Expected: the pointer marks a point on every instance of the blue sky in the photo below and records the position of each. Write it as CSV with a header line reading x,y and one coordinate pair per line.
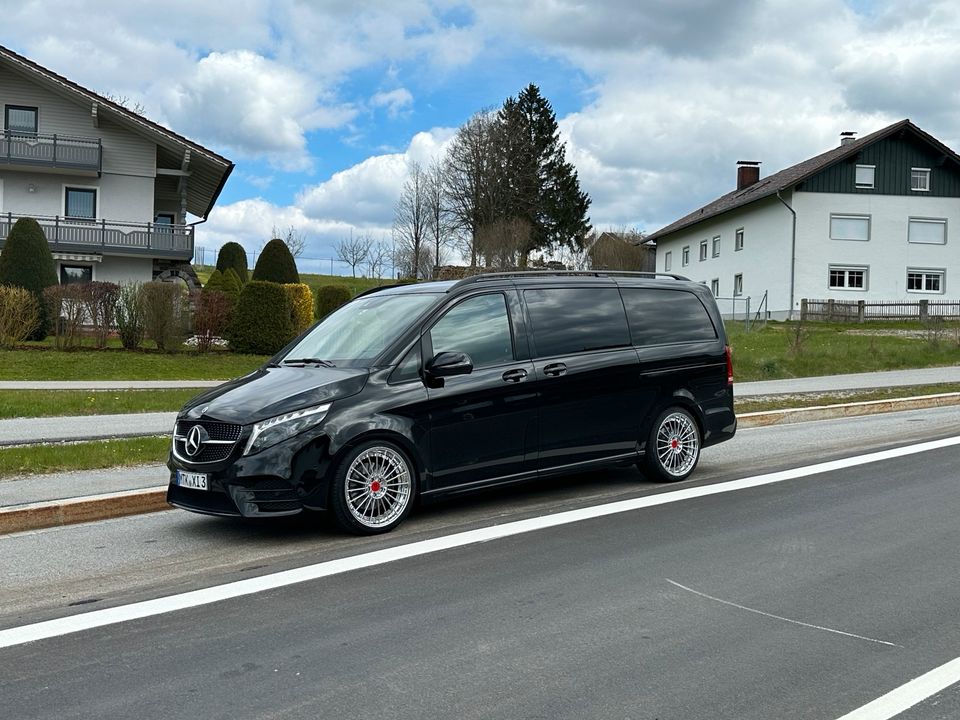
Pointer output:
x,y
322,104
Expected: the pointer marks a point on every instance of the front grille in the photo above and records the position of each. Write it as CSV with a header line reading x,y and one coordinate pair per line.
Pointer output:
x,y
223,439
216,430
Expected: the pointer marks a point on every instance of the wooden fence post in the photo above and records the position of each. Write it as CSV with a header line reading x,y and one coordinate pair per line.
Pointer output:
x,y
924,310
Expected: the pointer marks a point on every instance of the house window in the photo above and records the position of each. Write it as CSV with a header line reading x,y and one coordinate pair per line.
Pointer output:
x,y
715,287
716,246
738,239
163,222
929,231
703,250
848,278
919,280
75,274
864,176
667,261
80,203
737,285
920,179
685,256
850,227
20,118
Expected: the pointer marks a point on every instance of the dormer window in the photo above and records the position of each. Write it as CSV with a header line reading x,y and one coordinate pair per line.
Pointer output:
x,y
920,179
864,176
20,119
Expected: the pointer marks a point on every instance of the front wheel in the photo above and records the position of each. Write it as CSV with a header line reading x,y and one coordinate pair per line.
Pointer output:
x,y
673,446
373,488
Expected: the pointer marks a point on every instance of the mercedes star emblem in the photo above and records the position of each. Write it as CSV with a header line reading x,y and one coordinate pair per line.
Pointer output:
x,y
195,440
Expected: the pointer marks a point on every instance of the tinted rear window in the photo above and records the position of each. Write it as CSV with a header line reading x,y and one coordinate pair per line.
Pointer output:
x,y
658,317
572,320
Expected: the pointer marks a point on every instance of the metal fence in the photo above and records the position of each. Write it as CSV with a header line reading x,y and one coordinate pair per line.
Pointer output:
x,y
860,311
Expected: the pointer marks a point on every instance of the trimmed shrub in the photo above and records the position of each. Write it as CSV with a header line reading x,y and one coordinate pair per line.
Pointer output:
x,y
215,281
165,314
100,301
262,320
19,314
129,314
276,264
26,262
232,255
301,300
211,313
329,298
231,284
66,306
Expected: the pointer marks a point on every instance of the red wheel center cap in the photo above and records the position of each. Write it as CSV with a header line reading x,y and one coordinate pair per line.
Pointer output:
x,y
674,444
375,486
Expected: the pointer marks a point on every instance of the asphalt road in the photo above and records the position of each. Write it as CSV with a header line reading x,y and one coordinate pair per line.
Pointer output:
x,y
804,599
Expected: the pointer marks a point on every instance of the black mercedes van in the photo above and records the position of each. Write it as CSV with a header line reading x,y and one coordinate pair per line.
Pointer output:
x,y
409,392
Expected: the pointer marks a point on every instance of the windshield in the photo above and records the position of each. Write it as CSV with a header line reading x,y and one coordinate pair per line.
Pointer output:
x,y
356,333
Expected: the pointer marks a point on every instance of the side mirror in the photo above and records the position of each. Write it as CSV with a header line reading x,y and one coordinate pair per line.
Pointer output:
x,y
446,364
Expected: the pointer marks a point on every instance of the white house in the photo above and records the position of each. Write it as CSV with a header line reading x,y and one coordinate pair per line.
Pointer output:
x,y
112,190
875,218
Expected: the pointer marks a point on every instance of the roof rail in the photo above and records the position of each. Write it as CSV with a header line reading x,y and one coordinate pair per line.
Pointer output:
x,y
481,277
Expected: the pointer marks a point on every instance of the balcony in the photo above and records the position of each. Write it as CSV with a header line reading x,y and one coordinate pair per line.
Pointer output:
x,y
108,237
60,153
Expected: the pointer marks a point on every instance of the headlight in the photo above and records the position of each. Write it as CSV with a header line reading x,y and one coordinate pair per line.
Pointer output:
x,y
276,429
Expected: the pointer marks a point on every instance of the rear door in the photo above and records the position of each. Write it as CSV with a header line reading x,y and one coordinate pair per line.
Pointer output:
x,y
586,374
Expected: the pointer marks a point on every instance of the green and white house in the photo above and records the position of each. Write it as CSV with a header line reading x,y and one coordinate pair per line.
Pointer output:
x,y
117,195
875,218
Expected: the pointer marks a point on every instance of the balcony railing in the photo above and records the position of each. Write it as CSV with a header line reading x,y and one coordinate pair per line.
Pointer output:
x,y
109,237
50,151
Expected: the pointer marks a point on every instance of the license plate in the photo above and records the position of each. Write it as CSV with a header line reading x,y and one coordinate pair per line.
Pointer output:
x,y
197,481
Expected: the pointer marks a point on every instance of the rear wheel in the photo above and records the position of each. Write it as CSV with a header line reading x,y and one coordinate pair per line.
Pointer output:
x,y
673,446
373,488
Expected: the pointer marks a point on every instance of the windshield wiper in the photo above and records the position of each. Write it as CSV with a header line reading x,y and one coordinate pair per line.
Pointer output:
x,y
308,361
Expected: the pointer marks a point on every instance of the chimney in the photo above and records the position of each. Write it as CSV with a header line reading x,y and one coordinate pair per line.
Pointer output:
x,y
748,173
847,137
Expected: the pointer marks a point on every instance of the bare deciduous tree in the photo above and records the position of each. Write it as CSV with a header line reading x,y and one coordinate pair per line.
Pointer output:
x,y
377,257
439,220
354,250
295,240
411,220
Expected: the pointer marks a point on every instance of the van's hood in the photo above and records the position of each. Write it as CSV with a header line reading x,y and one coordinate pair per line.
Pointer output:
x,y
272,391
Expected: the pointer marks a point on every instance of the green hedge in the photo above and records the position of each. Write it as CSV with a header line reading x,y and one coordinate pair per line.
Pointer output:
x,y
276,264
262,321
26,262
232,255
329,298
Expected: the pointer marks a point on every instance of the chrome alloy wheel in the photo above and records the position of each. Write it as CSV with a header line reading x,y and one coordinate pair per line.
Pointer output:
x,y
678,444
378,486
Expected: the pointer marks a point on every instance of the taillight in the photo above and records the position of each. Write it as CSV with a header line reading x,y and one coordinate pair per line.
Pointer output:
x,y
728,353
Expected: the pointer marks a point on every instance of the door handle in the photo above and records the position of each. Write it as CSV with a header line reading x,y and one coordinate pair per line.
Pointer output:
x,y
514,375
554,369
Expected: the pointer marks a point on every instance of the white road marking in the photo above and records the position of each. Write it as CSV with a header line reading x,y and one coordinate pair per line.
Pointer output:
x,y
217,593
780,617
909,694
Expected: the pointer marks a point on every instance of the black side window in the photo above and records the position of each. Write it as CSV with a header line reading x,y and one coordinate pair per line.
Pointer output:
x,y
573,320
409,367
478,327
658,317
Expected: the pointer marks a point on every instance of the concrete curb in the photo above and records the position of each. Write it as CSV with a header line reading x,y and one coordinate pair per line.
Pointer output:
x,y
36,516
854,409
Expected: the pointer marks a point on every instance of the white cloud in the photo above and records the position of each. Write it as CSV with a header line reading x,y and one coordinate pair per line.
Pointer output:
x,y
396,101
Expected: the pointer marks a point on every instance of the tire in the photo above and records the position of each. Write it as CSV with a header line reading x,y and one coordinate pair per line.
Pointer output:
x,y
673,446
373,488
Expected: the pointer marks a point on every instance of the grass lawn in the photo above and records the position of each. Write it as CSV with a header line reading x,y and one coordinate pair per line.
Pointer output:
x,y
833,349
356,285
110,364
56,403
82,456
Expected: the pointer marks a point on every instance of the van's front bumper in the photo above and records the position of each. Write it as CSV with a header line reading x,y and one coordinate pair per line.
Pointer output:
x,y
280,480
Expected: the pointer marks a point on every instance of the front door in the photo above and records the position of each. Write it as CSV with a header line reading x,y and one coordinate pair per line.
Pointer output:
x,y
482,425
